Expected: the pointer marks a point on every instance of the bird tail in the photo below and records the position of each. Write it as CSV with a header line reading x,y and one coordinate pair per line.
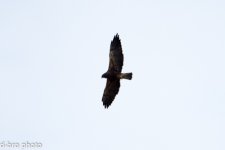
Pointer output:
x,y
126,76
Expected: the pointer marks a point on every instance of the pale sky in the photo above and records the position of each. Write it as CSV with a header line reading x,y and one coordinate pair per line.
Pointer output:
x,y
53,53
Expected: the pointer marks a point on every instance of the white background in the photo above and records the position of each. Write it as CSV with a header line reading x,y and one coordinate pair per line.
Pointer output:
x,y
53,53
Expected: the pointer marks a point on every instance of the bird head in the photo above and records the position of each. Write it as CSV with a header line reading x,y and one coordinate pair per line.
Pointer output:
x,y
105,75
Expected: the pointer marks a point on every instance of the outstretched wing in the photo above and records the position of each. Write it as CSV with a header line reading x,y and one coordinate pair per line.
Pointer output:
x,y
116,55
111,89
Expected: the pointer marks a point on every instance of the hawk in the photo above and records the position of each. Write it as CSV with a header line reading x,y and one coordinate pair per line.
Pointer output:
x,y
113,74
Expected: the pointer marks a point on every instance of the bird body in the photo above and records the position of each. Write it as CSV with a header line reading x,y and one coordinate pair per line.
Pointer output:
x,y
114,74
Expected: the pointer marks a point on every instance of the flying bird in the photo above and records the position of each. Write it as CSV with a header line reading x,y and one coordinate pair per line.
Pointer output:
x,y
113,74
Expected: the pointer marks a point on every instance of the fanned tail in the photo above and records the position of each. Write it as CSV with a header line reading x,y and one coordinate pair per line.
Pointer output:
x,y
126,76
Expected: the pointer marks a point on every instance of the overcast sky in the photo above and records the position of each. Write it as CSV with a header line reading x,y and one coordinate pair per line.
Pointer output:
x,y
53,53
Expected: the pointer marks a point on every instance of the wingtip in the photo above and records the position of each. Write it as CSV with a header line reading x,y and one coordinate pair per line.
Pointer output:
x,y
106,106
106,102
116,37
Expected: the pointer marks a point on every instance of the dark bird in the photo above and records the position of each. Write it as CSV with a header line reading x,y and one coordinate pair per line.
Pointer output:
x,y
113,73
